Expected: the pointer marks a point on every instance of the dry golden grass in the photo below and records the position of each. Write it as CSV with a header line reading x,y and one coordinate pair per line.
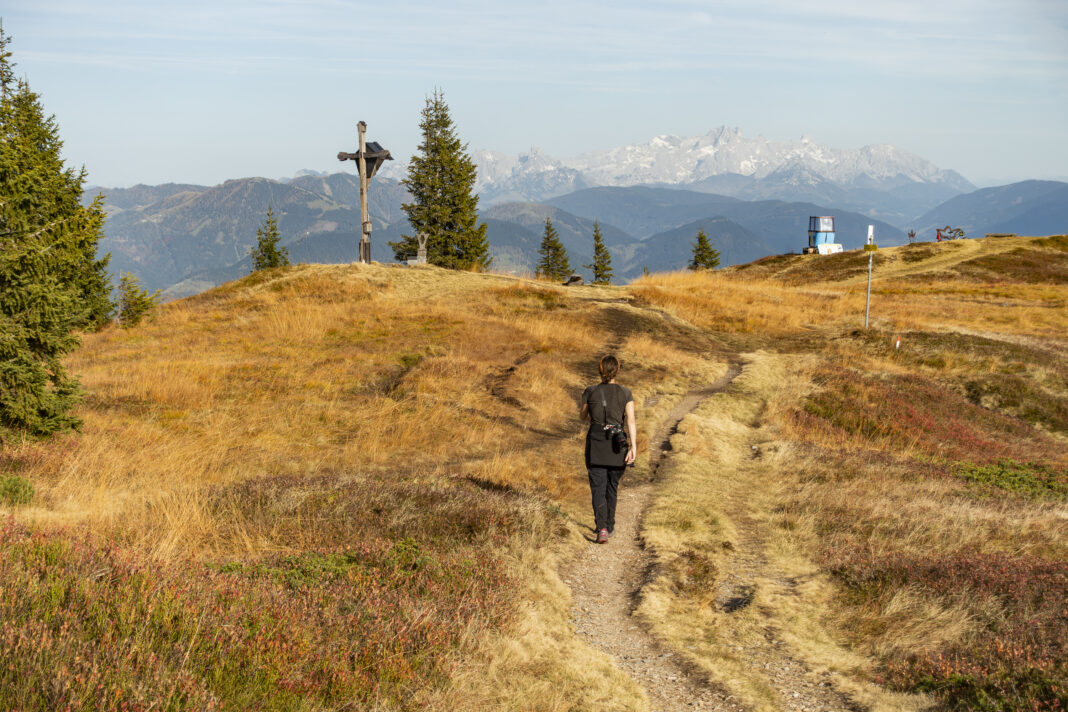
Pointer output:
x,y
793,294
711,527
540,665
724,302
234,425
317,370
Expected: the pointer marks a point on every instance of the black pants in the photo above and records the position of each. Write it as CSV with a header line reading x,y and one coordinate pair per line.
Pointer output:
x,y
604,484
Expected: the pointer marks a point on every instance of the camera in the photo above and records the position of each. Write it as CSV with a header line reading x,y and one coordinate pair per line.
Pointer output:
x,y
618,436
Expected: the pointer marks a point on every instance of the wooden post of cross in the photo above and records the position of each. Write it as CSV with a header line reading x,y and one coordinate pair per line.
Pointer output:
x,y
367,162
365,222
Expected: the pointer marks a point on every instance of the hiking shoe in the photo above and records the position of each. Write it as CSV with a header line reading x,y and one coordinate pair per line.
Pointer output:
x,y
602,536
611,532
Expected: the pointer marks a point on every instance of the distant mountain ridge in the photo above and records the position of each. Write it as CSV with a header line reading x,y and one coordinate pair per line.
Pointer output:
x,y
185,238
1032,207
878,180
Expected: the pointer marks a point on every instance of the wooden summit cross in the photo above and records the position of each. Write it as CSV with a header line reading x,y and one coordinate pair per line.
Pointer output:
x,y
369,158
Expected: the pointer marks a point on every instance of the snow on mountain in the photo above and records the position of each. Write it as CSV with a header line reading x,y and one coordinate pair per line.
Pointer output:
x,y
503,177
879,179
673,159
531,176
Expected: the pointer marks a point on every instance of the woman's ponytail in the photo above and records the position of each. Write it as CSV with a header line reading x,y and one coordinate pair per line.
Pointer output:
x,y
608,367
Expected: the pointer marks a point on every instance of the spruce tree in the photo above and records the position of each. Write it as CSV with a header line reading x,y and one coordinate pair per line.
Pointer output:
x,y
554,264
51,282
267,254
602,260
704,255
135,302
444,208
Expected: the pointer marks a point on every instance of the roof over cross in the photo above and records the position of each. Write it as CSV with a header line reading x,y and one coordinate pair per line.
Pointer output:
x,y
375,156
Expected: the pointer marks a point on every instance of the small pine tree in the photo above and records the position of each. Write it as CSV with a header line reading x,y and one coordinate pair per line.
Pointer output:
x,y
645,270
267,254
704,255
441,180
554,264
602,260
135,302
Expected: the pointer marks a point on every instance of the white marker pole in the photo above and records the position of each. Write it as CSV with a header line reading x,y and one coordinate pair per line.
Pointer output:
x,y
871,256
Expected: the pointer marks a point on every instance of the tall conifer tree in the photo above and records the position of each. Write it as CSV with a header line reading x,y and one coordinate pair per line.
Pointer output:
x,y
444,208
51,282
554,264
704,255
602,259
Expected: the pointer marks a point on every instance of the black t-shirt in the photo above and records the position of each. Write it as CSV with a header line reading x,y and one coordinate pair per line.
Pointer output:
x,y
614,395
599,449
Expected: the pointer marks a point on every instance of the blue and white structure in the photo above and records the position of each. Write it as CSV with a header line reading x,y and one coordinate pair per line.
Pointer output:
x,y
821,235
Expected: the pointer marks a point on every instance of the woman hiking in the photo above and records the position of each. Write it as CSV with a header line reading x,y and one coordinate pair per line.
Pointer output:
x,y
610,442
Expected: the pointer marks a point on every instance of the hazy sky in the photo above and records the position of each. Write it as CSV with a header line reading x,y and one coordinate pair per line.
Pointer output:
x,y
152,91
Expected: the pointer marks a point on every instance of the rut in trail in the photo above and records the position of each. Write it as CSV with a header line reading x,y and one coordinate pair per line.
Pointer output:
x,y
661,444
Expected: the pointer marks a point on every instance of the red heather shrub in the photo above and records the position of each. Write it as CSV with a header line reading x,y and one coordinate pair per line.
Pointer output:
x,y
87,625
1018,662
898,411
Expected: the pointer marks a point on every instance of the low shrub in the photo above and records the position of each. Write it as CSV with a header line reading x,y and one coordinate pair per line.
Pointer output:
x,y
15,490
1030,479
1017,659
695,574
1020,265
834,268
1053,242
917,252
893,411
88,625
1021,397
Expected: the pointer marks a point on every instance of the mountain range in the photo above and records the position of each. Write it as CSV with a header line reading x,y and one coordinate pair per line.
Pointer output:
x,y
880,180
751,196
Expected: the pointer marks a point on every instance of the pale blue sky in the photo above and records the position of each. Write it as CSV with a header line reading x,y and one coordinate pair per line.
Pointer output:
x,y
191,91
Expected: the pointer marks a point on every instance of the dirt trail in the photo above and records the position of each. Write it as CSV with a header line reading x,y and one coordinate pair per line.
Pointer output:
x,y
606,579
949,255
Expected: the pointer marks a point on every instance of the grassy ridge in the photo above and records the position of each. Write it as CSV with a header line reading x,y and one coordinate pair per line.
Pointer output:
x,y
330,486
